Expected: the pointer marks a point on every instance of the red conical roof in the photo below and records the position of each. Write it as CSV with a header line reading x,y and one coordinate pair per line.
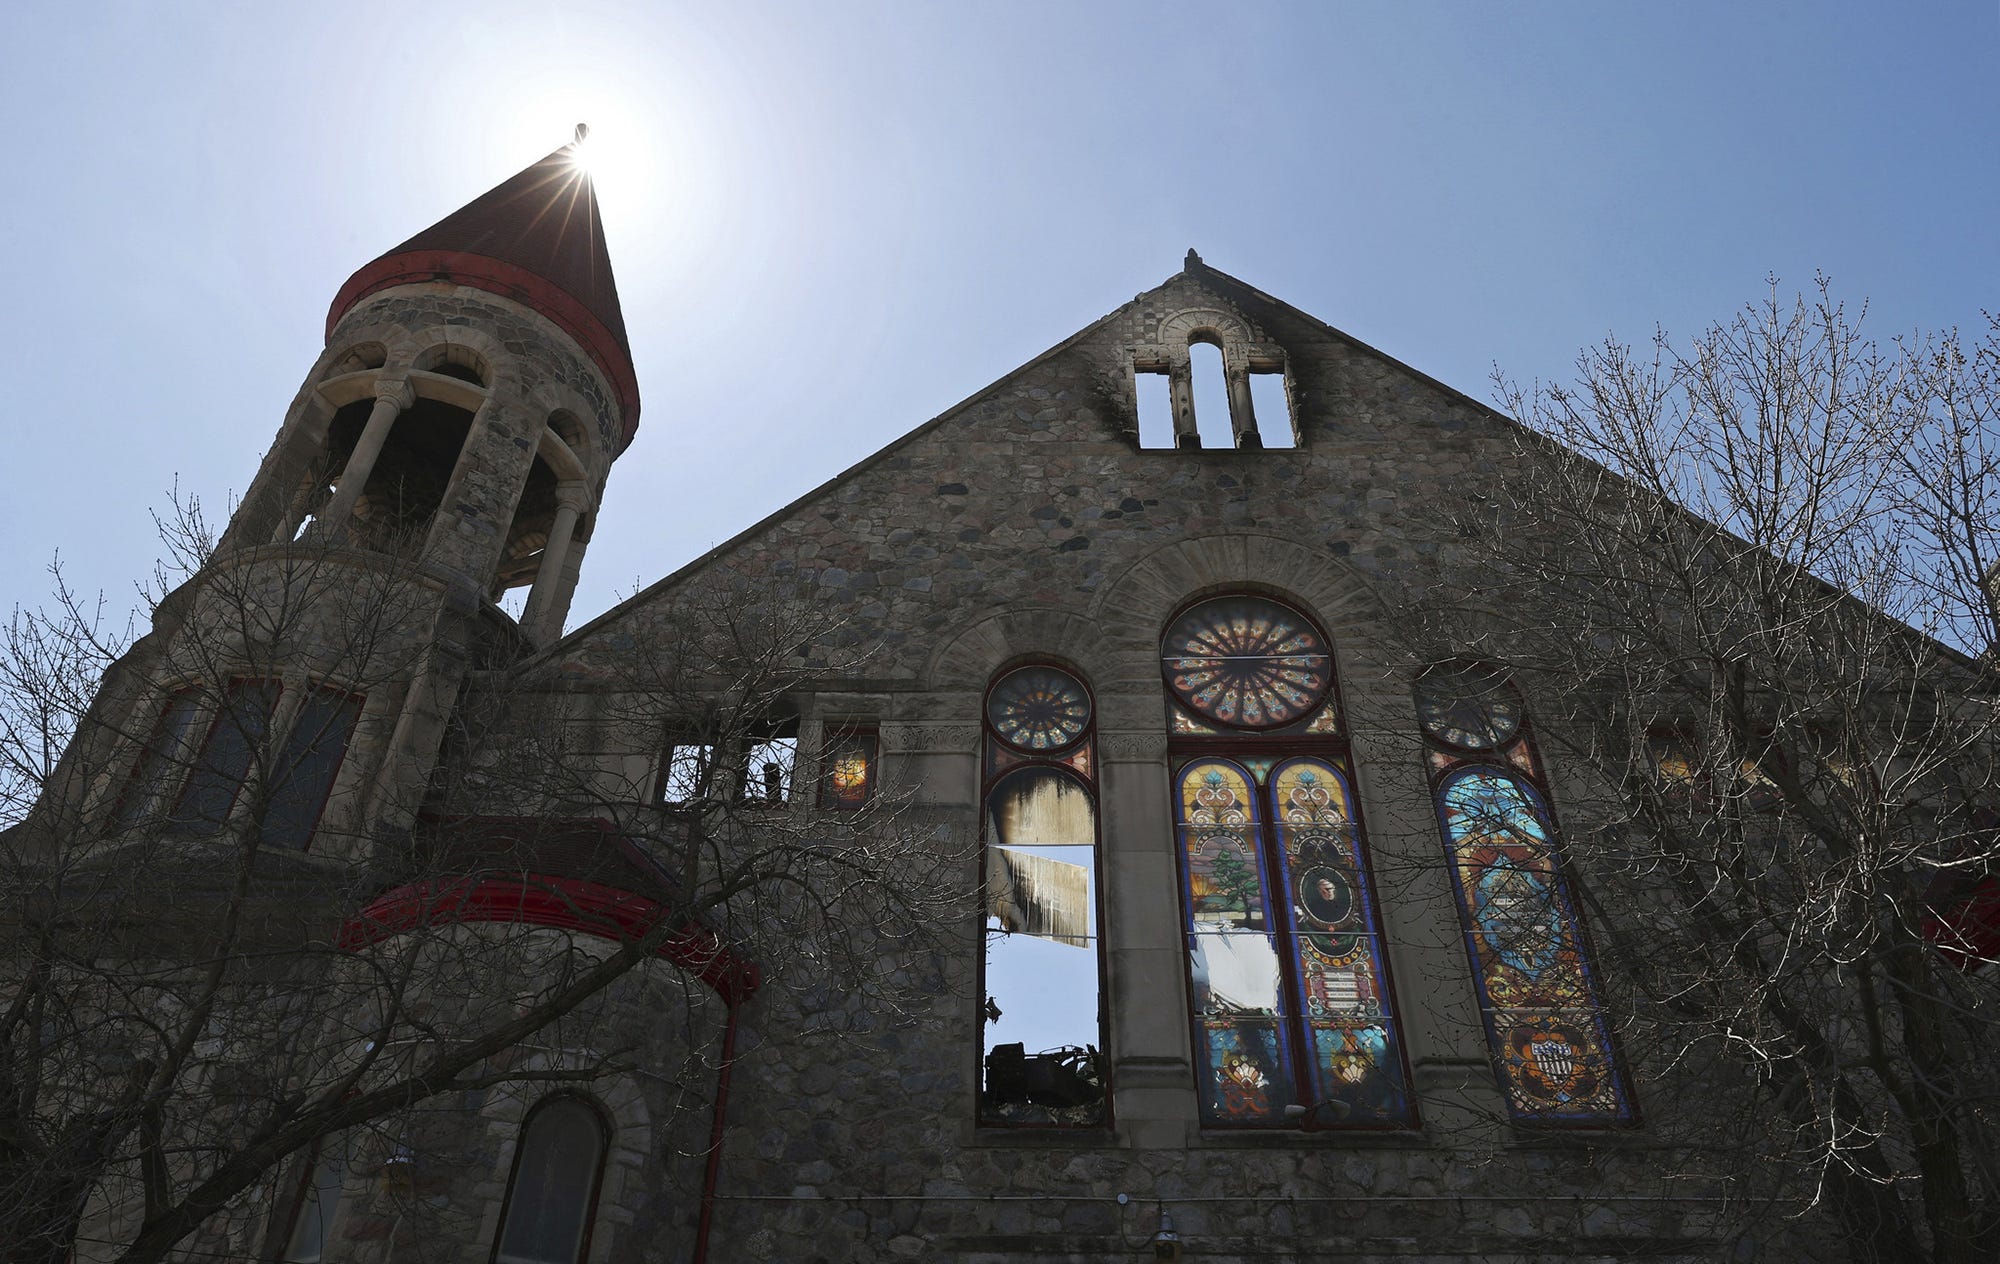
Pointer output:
x,y
536,239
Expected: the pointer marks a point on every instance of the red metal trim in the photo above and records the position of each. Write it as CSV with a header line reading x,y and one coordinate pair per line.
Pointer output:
x,y
711,1176
558,903
497,276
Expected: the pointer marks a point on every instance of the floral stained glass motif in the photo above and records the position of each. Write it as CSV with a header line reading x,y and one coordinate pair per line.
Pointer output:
x,y
1246,663
1245,1076
1038,709
1537,994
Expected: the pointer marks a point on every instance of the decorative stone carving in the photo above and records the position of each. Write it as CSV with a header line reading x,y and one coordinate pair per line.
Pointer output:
x,y
942,738
1132,748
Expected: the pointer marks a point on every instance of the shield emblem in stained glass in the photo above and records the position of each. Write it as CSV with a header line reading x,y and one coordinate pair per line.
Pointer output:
x,y
1038,709
1247,663
1469,705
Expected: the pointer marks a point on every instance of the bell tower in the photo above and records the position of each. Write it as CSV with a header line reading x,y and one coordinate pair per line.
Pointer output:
x,y
449,446
475,388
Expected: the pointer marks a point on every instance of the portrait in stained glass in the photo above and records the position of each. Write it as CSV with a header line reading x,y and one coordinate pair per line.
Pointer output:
x,y
1038,709
1246,662
1336,943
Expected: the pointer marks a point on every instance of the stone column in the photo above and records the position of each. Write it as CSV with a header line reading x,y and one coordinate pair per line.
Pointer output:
x,y
1242,415
391,399
1180,385
572,498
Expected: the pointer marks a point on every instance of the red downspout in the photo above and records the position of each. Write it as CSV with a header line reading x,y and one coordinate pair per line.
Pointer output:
x,y
708,1181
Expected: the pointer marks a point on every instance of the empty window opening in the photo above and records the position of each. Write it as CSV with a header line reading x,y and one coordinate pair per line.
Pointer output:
x,y
407,486
302,776
462,363
553,1190
528,534
767,770
685,773
1156,408
1274,413
1211,396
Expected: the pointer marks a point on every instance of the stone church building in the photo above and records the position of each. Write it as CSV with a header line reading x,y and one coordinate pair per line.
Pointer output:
x,y
1256,941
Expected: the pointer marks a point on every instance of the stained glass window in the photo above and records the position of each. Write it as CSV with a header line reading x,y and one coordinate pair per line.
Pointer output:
x,y
1294,1015
847,770
1038,709
1246,663
1540,1002
1284,949
1470,705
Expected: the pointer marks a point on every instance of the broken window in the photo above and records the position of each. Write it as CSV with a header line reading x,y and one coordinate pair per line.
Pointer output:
x,y
1041,1003
685,772
768,766
1269,400
552,1192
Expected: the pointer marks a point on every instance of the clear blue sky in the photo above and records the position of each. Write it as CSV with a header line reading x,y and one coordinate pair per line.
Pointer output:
x,y
830,222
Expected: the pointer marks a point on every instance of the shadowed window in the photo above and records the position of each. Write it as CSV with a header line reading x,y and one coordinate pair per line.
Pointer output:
x,y
553,1190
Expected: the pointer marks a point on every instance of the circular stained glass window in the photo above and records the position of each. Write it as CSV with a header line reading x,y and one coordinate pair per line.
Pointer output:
x,y
1038,709
1469,705
1246,662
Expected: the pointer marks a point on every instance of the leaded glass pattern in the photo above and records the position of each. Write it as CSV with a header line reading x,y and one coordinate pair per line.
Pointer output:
x,y
1246,663
1284,948
1337,942
1038,709
1538,998
1469,705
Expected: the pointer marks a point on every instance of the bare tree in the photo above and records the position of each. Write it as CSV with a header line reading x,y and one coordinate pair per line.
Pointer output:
x,y
197,1002
1746,587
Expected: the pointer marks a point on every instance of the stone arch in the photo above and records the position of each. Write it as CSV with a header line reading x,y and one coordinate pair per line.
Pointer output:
x,y
454,344
1205,324
967,662
366,356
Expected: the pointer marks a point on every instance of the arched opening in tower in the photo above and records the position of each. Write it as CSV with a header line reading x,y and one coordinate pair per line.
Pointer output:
x,y
407,486
527,536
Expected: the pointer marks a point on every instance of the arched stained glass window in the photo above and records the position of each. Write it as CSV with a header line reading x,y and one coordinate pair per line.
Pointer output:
x,y
552,1193
1041,978
1538,995
1293,1006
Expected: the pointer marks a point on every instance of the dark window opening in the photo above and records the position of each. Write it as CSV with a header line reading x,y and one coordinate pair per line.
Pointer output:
x,y
163,755
302,777
316,1205
528,534
407,486
552,1192
224,761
